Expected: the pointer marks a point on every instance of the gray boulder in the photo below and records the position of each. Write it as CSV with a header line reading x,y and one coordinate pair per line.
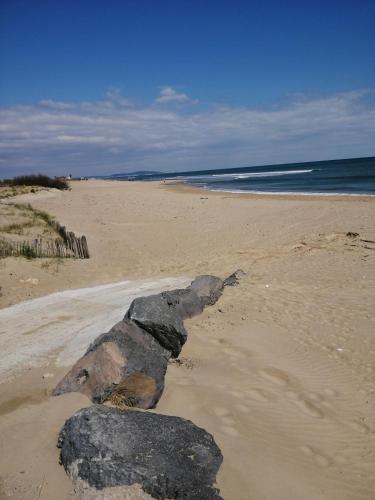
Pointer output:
x,y
234,278
126,362
160,319
208,288
185,301
169,457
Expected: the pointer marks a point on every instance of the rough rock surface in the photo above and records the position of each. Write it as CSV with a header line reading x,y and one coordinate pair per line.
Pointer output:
x,y
160,319
208,288
126,357
82,491
129,362
168,456
185,301
234,279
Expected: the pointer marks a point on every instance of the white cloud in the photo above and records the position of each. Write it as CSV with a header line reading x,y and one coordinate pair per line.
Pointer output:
x,y
49,103
109,136
170,95
114,94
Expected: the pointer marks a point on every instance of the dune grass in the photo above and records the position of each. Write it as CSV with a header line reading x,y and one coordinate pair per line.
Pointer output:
x,y
36,180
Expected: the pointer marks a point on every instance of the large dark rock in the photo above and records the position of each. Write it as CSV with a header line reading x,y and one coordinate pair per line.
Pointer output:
x,y
185,301
126,361
160,319
208,288
168,456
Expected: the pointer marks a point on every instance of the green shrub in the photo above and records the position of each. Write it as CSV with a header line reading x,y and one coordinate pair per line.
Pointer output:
x,y
37,180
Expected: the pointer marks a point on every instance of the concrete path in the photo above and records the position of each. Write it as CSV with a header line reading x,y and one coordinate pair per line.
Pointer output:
x,y
59,327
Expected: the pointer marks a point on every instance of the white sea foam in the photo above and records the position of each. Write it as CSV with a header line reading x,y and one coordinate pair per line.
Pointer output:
x,y
285,193
237,176
248,175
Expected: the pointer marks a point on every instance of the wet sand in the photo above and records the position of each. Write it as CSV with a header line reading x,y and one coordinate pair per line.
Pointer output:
x,y
281,370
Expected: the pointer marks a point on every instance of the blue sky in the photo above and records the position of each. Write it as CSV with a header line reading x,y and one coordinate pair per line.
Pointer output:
x,y
99,87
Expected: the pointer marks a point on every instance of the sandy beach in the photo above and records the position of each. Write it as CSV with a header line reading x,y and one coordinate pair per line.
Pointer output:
x,y
281,371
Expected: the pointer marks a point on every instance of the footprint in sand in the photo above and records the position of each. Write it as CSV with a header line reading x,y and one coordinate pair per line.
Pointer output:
x,y
220,341
258,395
228,421
341,459
241,408
275,376
321,401
231,431
220,412
233,353
237,394
308,408
359,426
307,450
292,395
322,460
319,459
303,404
184,382
315,396
331,392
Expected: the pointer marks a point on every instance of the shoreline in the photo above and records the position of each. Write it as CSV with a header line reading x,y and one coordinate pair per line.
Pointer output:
x,y
185,186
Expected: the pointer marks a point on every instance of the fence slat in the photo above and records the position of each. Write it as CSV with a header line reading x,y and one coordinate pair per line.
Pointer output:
x,y
68,246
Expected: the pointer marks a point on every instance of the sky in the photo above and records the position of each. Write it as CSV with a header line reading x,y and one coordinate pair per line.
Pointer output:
x,y
94,87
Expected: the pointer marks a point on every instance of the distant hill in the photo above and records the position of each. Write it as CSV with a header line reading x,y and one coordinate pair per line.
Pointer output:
x,y
137,173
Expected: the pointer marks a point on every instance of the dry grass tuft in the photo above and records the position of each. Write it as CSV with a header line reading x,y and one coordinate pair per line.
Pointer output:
x,y
122,397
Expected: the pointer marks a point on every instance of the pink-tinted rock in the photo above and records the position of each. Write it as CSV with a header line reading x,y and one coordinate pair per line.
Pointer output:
x,y
126,356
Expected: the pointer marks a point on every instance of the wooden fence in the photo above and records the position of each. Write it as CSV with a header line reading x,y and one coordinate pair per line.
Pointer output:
x,y
68,246
73,244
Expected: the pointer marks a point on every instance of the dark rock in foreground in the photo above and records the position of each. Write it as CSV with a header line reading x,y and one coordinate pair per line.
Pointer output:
x,y
208,288
168,456
126,360
160,319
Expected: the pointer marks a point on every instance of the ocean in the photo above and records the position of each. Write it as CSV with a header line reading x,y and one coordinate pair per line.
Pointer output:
x,y
354,176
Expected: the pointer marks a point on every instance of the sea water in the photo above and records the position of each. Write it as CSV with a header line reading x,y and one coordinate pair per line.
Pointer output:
x,y
354,176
